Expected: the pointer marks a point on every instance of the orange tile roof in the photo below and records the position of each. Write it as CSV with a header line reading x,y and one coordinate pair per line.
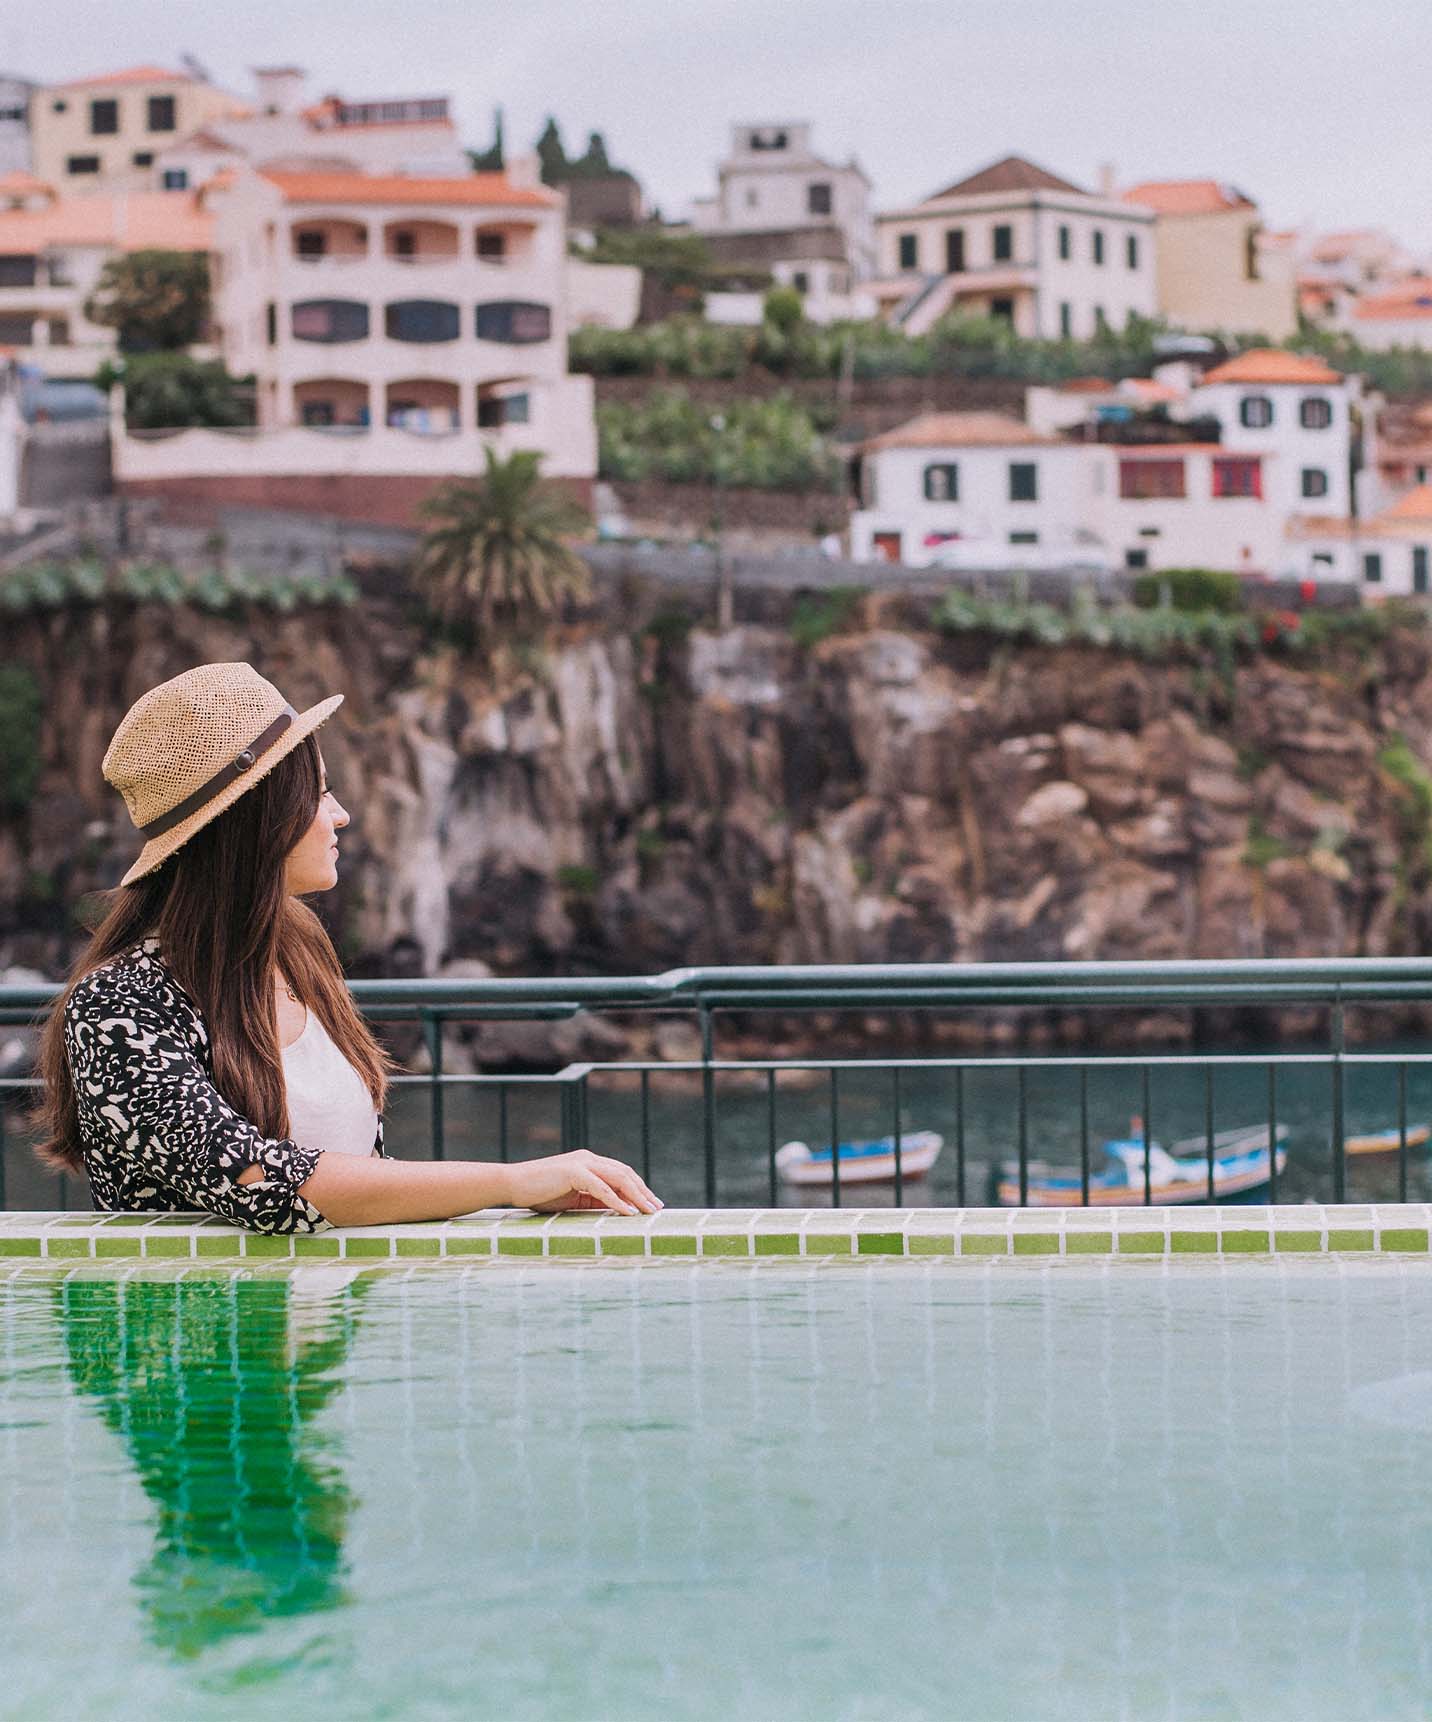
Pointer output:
x,y
22,184
1410,298
1187,196
1272,365
1088,386
131,75
1416,505
471,189
961,430
133,221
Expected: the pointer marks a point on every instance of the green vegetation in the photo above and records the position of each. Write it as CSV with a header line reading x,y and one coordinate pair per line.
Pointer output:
x,y
1412,785
769,443
157,301
1190,589
170,391
21,710
817,616
496,551
1152,634
1260,848
53,585
577,881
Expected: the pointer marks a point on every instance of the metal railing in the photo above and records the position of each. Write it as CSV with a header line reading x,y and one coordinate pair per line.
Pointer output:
x,y
709,995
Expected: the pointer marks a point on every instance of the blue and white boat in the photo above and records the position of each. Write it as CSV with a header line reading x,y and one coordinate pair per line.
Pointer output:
x,y
865,1162
1242,1163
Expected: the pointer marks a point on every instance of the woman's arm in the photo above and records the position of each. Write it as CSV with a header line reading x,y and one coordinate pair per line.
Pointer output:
x,y
353,1190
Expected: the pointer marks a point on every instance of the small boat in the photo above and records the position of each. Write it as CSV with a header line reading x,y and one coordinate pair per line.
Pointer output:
x,y
1386,1141
867,1162
1241,1163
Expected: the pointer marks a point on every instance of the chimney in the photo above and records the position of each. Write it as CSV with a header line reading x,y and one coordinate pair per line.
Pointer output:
x,y
279,89
1107,179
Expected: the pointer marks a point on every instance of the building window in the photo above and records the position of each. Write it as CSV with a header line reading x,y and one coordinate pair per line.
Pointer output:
x,y
424,320
909,247
800,281
492,247
1066,242
1003,309
1097,241
161,113
405,244
1023,481
143,158
271,323
1255,412
104,118
1101,322
1131,250
310,242
1146,480
1066,319
330,320
317,413
1372,567
82,164
1315,481
175,179
1136,559
818,199
1315,412
494,411
942,483
1250,254
1237,476
1024,538
1003,242
514,322
954,250
18,272
59,107
1419,568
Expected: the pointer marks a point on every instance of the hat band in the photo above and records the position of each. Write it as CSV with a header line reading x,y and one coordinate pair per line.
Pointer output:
x,y
237,766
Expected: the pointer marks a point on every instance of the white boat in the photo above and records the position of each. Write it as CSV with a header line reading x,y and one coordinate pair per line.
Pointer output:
x,y
1242,1162
867,1162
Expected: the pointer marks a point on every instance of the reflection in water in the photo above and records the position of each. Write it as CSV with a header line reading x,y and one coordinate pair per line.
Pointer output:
x,y
212,1385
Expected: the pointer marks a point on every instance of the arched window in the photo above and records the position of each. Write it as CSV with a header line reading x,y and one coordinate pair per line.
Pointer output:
x,y
330,320
514,322
422,320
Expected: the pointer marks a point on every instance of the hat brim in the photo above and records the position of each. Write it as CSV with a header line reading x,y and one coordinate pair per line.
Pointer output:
x,y
158,849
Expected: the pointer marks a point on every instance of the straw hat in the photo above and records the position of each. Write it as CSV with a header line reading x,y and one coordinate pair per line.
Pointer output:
x,y
189,748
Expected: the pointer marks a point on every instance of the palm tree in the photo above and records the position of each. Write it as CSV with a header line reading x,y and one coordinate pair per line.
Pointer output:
x,y
497,550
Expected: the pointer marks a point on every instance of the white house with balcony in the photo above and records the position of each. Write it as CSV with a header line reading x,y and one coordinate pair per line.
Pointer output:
x,y
1018,242
395,327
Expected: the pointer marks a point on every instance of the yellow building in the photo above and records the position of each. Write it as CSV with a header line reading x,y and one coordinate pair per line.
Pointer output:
x,y
1217,270
99,132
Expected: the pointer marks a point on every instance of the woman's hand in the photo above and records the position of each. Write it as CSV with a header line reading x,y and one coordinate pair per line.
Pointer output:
x,y
581,1179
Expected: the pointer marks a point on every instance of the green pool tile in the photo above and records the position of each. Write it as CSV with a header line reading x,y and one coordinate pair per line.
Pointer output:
x,y
623,1244
673,1244
571,1245
460,1246
226,1244
420,1246
67,1246
984,1243
932,1243
304,1244
1297,1240
1036,1243
1201,1241
825,1243
880,1243
725,1244
367,1247
1349,1240
129,1220
781,1243
1081,1243
1405,1238
267,1244
161,1246
507,1245
1244,1242
1142,1243
19,1246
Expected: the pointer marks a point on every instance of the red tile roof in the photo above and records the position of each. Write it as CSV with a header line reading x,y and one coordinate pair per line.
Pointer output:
x,y
1272,365
1409,298
1187,196
1415,505
124,221
961,430
469,190
1011,173
131,75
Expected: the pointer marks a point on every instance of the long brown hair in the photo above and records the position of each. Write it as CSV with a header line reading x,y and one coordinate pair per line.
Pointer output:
x,y
224,921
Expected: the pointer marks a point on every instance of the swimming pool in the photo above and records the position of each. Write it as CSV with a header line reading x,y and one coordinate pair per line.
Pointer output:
x,y
772,1488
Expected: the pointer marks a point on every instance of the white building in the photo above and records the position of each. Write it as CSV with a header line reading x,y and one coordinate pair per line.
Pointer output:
x,y
1251,501
395,326
15,96
1398,315
1390,555
774,181
1017,242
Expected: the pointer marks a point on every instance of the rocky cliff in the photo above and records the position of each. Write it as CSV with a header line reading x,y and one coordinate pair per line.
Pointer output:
x,y
629,801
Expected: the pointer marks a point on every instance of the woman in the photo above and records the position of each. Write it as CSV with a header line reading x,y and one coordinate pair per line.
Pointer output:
x,y
206,1052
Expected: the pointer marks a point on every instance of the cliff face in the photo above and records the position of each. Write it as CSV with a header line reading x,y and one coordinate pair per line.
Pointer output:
x,y
629,803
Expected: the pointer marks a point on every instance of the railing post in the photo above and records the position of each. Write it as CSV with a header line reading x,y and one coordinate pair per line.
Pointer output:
x,y
3,1147
708,1104
433,1034
1339,1155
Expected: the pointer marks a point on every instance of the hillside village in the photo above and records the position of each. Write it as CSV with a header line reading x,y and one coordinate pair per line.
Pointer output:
x,y
1015,373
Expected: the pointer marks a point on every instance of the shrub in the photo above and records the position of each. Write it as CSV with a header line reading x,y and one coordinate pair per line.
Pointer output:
x,y
21,709
768,443
817,615
1214,589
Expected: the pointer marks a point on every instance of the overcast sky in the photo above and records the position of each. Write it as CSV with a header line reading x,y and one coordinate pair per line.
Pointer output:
x,y
1320,113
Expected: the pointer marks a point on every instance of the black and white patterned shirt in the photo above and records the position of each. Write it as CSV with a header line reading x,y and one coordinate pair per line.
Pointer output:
x,y
155,1132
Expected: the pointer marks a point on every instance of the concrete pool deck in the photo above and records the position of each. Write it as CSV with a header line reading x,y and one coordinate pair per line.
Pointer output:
x,y
725,1233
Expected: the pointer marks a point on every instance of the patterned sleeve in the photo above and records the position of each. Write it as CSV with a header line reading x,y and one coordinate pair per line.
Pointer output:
x,y
165,1128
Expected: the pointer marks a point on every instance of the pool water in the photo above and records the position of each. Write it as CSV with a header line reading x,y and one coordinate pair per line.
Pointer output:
x,y
853,1490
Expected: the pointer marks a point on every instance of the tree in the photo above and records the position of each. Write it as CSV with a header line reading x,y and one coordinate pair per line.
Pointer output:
x,y
158,301
496,551
163,391
552,154
491,159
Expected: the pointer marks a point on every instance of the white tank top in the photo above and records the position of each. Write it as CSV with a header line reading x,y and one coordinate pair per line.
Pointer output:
x,y
329,1106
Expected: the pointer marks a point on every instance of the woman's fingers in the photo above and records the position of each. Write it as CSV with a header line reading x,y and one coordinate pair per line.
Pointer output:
x,y
624,1178
588,1180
